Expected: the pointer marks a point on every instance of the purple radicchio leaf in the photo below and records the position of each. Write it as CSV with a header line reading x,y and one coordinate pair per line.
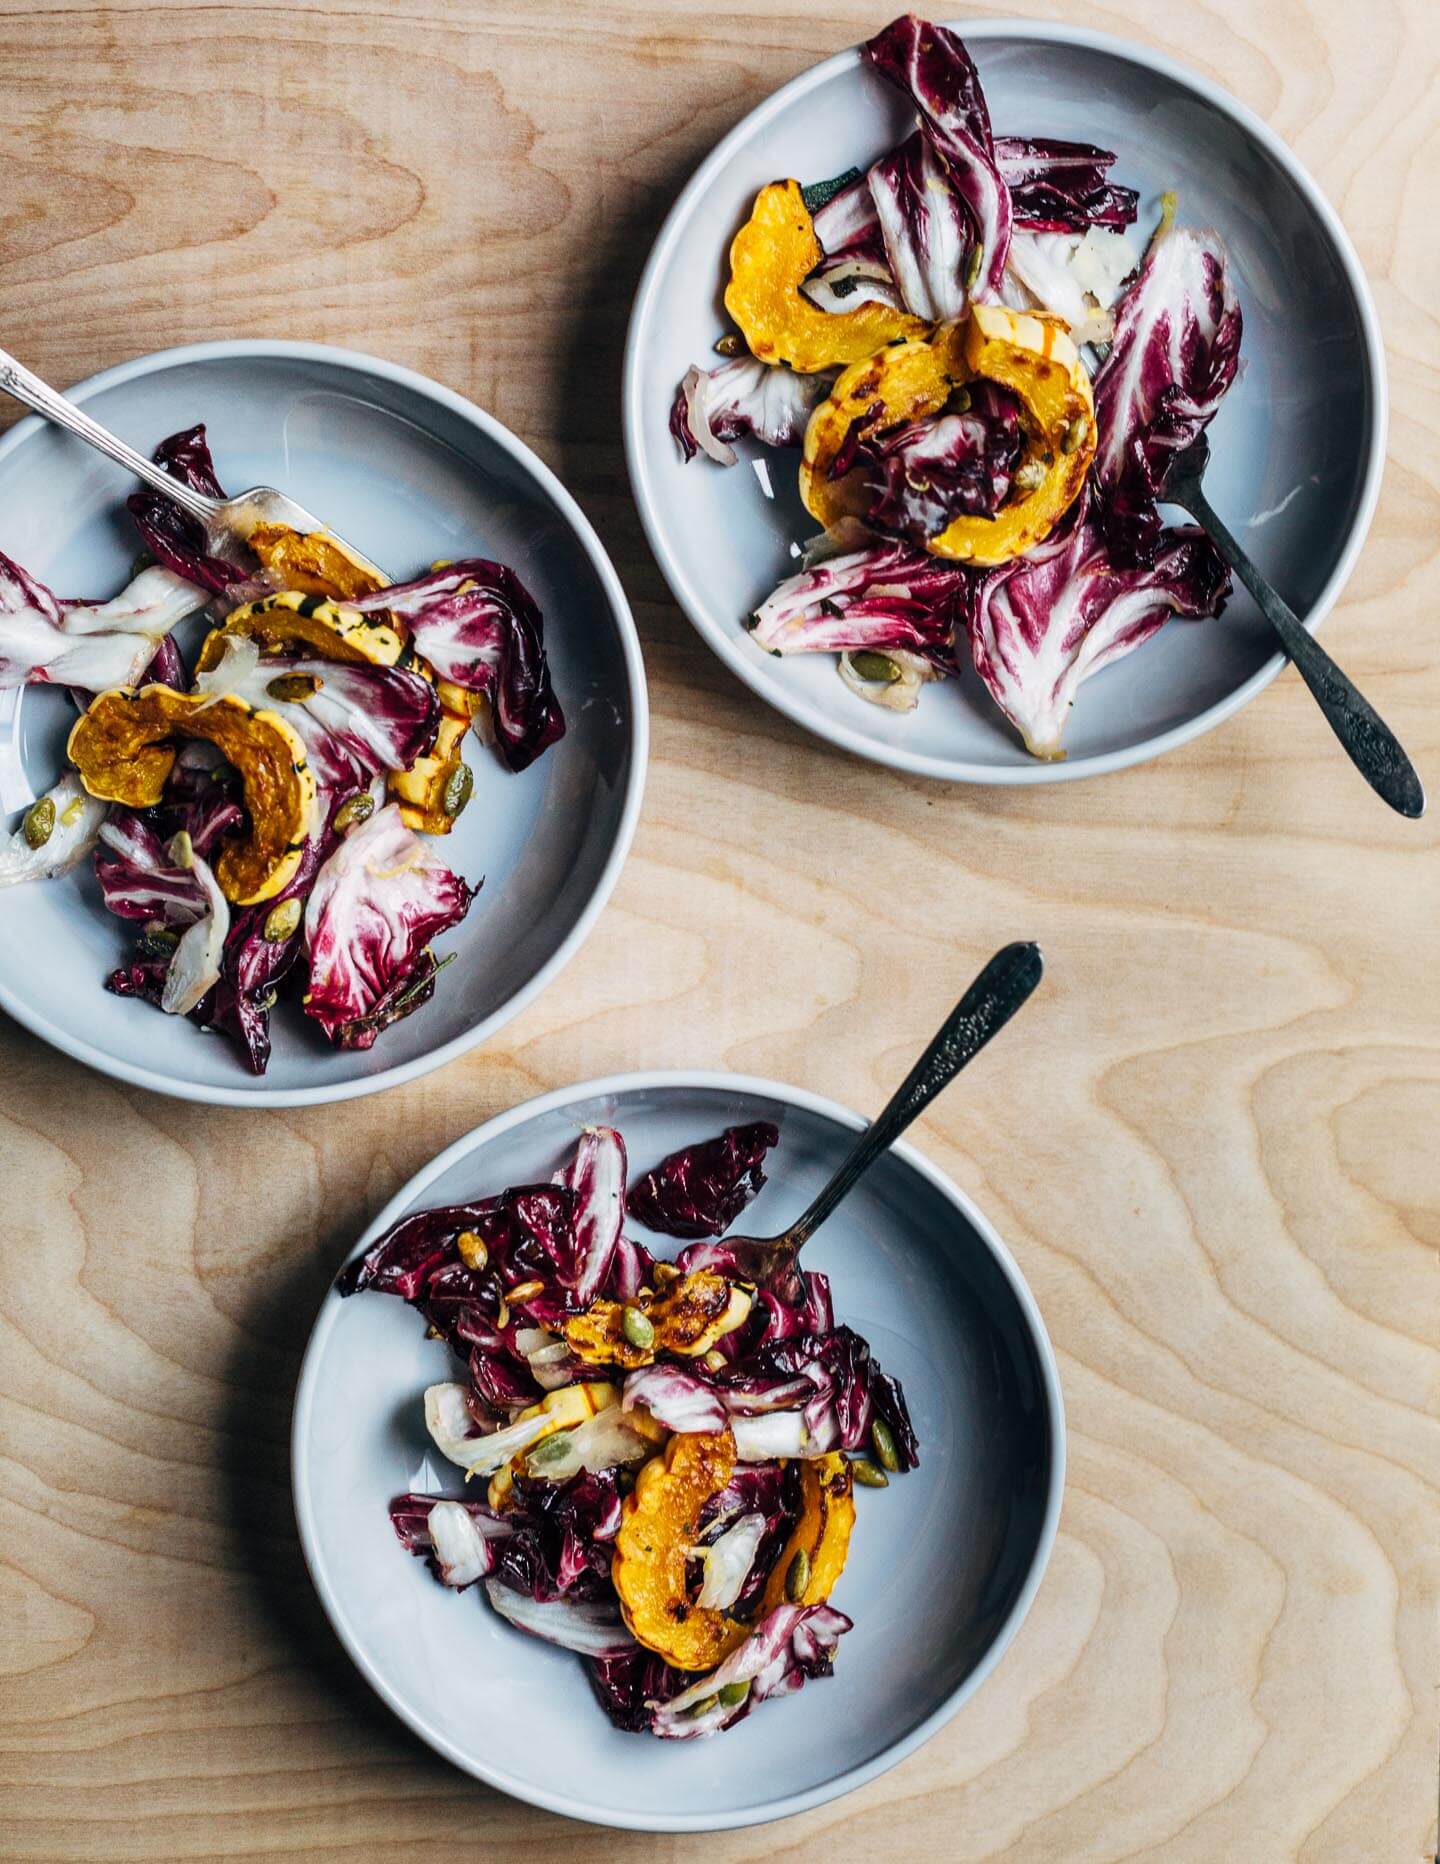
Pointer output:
x,y
171,535
791,1645
92,646
379,899
925,474
701,1189
743,398
1062,187
459,1540
1040,625
360,719
595,1179
478,626
889,596
1175,353
932,67
925,228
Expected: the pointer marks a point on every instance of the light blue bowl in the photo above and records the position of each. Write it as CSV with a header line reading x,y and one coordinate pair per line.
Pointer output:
x,y
943,1564
411,472
1298,447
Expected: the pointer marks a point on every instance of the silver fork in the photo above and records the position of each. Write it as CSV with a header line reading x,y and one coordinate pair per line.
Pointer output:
x,y
227,522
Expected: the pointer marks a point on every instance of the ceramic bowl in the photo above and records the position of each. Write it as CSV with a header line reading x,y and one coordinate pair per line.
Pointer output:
x,y
411,472
943,1564
1298,445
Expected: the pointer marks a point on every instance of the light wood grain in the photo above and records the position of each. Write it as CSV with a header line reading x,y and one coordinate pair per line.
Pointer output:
x,y
1211,1144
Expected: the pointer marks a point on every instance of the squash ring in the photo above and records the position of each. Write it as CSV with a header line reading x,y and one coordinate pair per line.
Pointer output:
x,y
313,562
687,1316
121,746
770,258
1027,354
333,630
822,1533
659,1526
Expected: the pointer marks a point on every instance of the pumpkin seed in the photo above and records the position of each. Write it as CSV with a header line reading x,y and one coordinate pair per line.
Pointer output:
x,y
731,1695
182,850
867,1475
1030,476
1074,434
525,1291
872,666
550,1450
359,809
883,1438
637,1328
960,400
473,1252
502,1315
972,267
702,1707
715,1360
281,922
156,942
458,786
797,1576
39,823
294,688
729,344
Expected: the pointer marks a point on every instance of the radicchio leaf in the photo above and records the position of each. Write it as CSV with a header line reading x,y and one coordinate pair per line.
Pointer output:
x,y
359,721
477,625
790,1645
1062,187
743,398
1042,624
933,68
1175,353
885,596
377,902
925,227
596,1181
89,645
172,535
701,1189
926,473
78,817
459,1539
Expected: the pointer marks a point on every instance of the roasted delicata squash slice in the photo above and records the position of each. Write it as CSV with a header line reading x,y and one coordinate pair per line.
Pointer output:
x,y
770,258
313,562
433,791
814,1557
565,1409
659,1528
334,630
1032,356
686,1316
123,748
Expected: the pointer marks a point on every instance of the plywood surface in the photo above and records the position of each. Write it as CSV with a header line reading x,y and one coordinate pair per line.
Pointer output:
x,y
1212,1144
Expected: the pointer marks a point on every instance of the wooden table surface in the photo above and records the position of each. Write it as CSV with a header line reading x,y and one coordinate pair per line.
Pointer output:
x,y
1211,1144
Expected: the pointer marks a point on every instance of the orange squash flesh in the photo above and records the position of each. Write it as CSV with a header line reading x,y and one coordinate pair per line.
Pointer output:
x,y
822,1533
770,258
123,747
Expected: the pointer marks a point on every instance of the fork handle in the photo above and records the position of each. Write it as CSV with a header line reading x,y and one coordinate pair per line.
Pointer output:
x,y
1366,739
26,386
997,993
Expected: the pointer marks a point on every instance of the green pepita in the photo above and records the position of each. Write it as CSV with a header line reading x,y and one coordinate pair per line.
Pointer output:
x,y
182,850
702,1707
731,1695
960,400
359,809
972,267
867,1474
155,942
458,786
878,667
729,344
797,1576
1074,434
549,1450
282,922
39,823
637,1328
883,1438
294,688
1031,476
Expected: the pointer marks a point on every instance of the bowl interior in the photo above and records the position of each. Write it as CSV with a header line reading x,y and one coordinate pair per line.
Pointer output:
x,y
941,1562
1293,445
410,479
